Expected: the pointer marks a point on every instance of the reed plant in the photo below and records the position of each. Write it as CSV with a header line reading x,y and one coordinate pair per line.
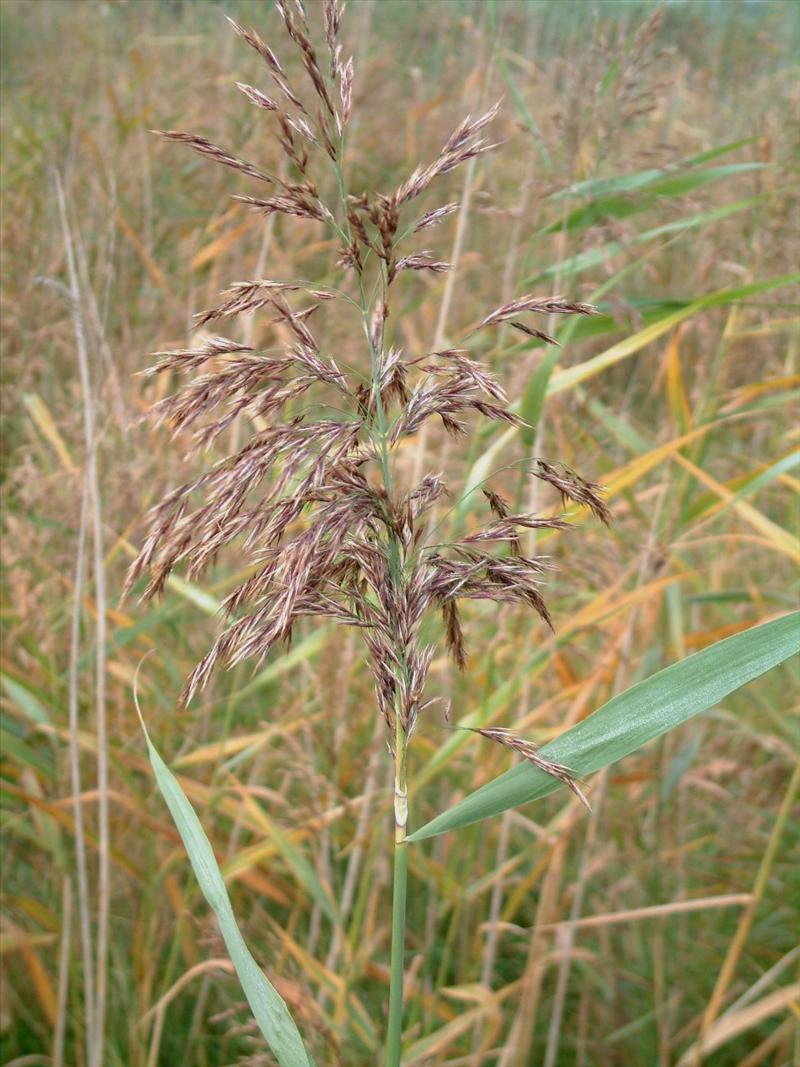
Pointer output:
x,y
316,496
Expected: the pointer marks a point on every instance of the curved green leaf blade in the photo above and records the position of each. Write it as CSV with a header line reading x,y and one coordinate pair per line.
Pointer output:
x,y
633,718
622,207
629,183
594,257
266,1003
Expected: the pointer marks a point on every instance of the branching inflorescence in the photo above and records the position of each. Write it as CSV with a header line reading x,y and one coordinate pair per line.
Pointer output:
x,y
317,503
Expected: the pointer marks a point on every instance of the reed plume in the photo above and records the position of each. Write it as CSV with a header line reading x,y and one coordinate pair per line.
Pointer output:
x,y
315,503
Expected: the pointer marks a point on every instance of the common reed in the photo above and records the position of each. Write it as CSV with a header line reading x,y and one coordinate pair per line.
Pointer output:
x,y
317,499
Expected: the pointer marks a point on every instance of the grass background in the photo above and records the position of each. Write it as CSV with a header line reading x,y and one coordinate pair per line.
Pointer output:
x,y
681,398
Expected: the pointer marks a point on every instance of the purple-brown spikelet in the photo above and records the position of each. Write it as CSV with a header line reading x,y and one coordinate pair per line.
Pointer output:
x,y
315,503
530,751
219,155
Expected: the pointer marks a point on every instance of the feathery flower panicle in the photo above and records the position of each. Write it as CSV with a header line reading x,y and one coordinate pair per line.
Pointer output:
x,y
314,502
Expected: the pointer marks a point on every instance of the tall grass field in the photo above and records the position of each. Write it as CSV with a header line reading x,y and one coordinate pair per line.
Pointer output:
x,y
400,588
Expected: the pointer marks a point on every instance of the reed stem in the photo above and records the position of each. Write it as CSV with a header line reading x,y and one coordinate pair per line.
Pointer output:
x,y
395,1028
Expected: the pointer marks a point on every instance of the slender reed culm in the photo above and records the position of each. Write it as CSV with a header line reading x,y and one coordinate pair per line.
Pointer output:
x,y
316,497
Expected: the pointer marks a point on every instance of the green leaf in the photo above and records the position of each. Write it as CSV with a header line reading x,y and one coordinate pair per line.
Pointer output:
x,y
629,183
633,718
268,1006
26,699
569,377
195,595
594,257
14,748
599,187
621,207
534,396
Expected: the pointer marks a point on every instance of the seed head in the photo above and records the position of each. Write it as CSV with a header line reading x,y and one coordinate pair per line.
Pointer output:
x,y
311,497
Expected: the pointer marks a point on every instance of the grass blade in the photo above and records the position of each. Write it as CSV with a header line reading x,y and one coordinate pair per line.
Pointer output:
x,y
630,183
623,206
633,718
571,376
268,1006
595,257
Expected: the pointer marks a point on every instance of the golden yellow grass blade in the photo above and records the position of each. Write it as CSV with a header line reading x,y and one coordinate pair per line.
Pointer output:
x,y
779,538
603,607
304,873
247,858
15,940
630,473
677,395
216,751
652,911
41,981
334,983
728,969
45,423
150,264
438,1042
753,390
221,963
217,247
65,820
741,1022
780,1036
766,329
571,376
702,638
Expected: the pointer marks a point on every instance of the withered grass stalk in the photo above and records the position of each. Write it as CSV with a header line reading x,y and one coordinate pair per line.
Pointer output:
x,y
318,504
